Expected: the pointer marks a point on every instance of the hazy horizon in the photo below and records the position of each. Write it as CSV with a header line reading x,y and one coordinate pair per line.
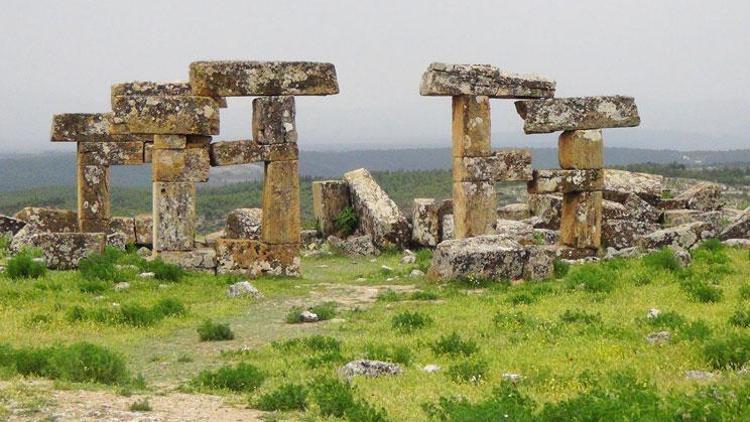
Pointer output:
x,y
685,62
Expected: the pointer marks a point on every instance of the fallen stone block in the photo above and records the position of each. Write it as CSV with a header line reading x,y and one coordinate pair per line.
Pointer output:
x,y
124,225
672,218
281,203
9,226
547,208
354,245
369,368
641,210
471,127
703,196
174,216
230,153
614,211
200,259
51,220
378,215
144,229
683,236
253,78
447,228
539,263
489,256
179,115
581,220
63,251
330,198
425,222
565,181
480,79
110,153
180,165
244,223
514,212
739,228
274,120
577,113
519,231
88,127
505,165
619,184
624,233
254,258
581,149
474,208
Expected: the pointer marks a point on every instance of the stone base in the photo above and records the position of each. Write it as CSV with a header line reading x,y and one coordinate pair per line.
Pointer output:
x,y
63,251
254,258
202,259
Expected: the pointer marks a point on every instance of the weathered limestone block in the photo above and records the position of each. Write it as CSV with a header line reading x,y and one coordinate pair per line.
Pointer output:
x,y
489,256
124,225
87,127
174,216
51,220
621,234
703,196
471,127
117,240
9,226
180,115
425,222
540,263
144,229
612,210
521,232
110,153
185,165
93,198
170,142
254,258
281,203
274,120
200,259
254,79
155,89
581,220
673,218
447,227
577,113
619,184
230,153
474,208
63,251
581,149
505,165
198,141
514,212
354,245
330,198
639,209
683,236
379,216
485,80
566,181
244,223
547,208
739,228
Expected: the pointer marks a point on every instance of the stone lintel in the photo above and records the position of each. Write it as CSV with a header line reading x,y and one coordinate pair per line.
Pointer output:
x,y
577,113
155,89
565,181
504,165
230,153
110,153
441,79
175,115
87,127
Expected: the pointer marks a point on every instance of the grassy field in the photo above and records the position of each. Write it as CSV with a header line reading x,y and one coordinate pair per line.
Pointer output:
x,y
578,342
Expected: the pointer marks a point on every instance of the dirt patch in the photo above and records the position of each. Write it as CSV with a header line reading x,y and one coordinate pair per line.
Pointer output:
x,y
351,296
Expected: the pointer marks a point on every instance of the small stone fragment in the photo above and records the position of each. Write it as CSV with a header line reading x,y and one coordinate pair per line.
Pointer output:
x,y
659,338
244,288
307,316
369,368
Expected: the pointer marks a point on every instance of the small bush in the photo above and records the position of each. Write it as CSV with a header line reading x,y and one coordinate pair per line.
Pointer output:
x,y
525,298
424,295
744,291
285,398
740,318
514,320
346,221
561,268
324,311
641,278
94,286
454,345
424,259
407,322
696,330
164,271
663,259
213,331
133,314
141,406
102,266
505,403
468,371
593,278
241,378
325,358
701,291
23,265
389,295
583,317
332,396
732,351
398,354
363,412
316,343
668,319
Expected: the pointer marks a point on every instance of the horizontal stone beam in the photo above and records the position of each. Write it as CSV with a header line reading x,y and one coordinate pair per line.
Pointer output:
x,y
178,115
577,113
231,153
155,89
566,181
482,80
252,78
111,153
87,127
505,165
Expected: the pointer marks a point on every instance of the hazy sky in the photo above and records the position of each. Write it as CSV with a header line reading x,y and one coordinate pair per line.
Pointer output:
x,y
686,62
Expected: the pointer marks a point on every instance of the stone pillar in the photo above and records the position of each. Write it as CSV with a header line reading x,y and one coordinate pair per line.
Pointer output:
x,y
93,196
474,201
581,220
281,205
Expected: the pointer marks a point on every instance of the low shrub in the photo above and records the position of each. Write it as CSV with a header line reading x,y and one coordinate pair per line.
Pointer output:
x,y
454,345
667,319
132,314
407,322
744,291
561,268
696,330
23,265
389,295
398,354
505,403
164,271
424,295
740,318
525,298
663,259
325,358
285,398
515,320
102,266
242,378
332,396
592,278
214,331
732,351
316,343
94,286
641,278
701,291
346,221
468,371
582,317
141,405
424,259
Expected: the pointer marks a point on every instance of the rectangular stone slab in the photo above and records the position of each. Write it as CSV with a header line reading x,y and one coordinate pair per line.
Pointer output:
x,y
581,149
425,222
110,153
87,127
471,126
581,220
254,79
505,165
174,165
230,153
174,216
281,203
474,208
329,197
155,89
564,181
274,120
577,113
63,251
254,258
178,115
482,79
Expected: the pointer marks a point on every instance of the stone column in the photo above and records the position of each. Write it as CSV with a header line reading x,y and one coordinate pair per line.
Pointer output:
x,y
93,196
581,220
474,201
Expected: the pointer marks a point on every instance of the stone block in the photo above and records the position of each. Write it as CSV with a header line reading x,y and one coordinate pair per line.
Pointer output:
x,y
124,225
581,220
471,127
281,203
87,127
174,216
255,258
739,228
619,184
482,80
505,165
201,259
63,251
547,208
624,233
566,181
186,165
612,210
639,209
490,256
330,198
110,153
577,113
155,89
474,208
447,227
230,153
9,226
539,263
425,222
254,79
198,141
144,229
93,196
178,115
244,223
274,120
51,220
581,149
703,196
379,216
684,236
170,142
514,212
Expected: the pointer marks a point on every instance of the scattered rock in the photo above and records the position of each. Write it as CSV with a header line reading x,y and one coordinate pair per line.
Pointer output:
x,y
354,245
699,375
369,368
147,275
431,368
514,212
738,243
122,286
739,228
124,226
684,236
490,256
307,316
659,337
682,256
48,220
243,288
619,184
9,226
632,252
63,251
144,252
415,273
511,377
703,196
547,208
118,240
425,222
653,313
409,257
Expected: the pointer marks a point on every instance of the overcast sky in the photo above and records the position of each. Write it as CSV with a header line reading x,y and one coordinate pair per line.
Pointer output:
x,y
685,62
